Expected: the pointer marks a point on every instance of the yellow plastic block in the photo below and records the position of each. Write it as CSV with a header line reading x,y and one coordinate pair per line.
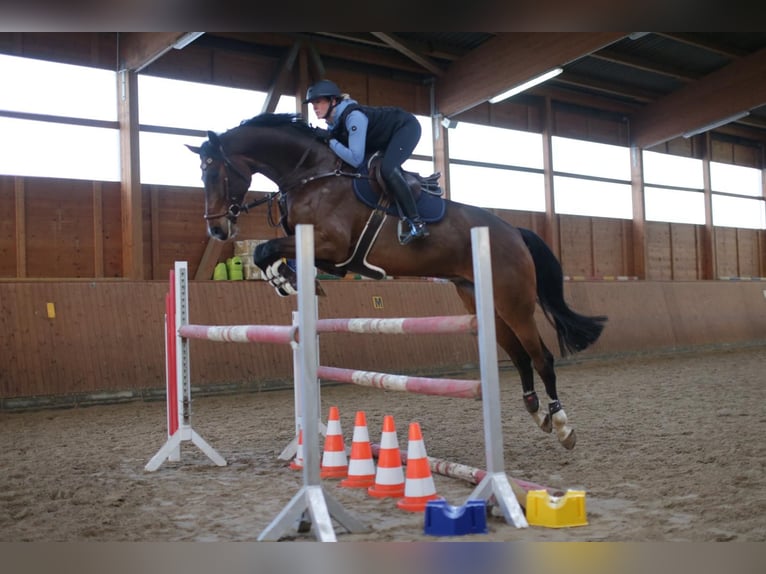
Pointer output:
x,y
556,511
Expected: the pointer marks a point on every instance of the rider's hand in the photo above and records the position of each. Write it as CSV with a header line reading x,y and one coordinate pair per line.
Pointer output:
x,y
322,135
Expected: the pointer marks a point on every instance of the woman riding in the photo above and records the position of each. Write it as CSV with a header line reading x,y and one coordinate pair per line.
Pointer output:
x,y
356,131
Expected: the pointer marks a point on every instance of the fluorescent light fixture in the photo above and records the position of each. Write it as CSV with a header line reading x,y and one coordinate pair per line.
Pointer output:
x,y
449,122
716,124
186,39
526,85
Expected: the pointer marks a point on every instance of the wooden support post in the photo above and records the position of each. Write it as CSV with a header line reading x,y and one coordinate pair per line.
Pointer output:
x,y
709,267
551,229
98,230
132,216
639,215
21,227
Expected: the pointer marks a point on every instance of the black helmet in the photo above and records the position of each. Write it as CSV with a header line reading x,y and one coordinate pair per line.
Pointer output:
x,y
322,89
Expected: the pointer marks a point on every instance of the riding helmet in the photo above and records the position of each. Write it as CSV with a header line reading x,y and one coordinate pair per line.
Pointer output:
x,y
322,89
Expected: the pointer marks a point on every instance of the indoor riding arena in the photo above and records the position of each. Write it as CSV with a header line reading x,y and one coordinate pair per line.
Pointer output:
x,y
102,367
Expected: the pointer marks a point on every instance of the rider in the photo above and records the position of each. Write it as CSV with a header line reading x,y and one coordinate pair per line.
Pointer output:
x,y
356,130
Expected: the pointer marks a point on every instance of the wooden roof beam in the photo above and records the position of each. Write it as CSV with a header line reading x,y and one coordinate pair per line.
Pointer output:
x,y
508,60
708,45
136,50
643,64
411,53
734,89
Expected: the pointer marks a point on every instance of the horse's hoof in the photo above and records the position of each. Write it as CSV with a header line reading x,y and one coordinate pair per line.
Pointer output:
x,y
570,441
547,424
281,292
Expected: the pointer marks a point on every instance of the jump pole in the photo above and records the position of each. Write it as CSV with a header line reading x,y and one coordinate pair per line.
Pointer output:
x,y
178,381
311,497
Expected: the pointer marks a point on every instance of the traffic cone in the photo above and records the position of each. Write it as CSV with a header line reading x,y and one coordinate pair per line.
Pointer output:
x,y
389,479
334,461
361,469
419,487
297,462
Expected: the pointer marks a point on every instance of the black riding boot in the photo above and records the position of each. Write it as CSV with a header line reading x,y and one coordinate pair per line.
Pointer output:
x,y
401,191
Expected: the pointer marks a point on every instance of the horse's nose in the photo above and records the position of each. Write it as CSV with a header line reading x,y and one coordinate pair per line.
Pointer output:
x,y
218,232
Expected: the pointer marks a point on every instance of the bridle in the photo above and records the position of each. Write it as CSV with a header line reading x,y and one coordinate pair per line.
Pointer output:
x,y
235,208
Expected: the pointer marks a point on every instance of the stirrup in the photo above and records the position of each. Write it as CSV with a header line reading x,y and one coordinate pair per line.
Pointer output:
x,y
417,229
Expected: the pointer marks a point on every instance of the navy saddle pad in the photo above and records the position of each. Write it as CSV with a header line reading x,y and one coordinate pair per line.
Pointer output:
x,y
430,206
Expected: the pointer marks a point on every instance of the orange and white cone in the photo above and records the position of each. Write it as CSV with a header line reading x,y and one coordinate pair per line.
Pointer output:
x,y
361,469
297,462
419,487
334,461
389,479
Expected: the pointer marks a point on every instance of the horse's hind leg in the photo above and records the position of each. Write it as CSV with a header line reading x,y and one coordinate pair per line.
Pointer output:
x,y
542,359
517,311
508,341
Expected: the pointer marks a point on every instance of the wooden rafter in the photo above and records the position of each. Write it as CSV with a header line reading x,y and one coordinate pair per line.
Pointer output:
x,y
403,48
139,49
643,64
736,88
509,59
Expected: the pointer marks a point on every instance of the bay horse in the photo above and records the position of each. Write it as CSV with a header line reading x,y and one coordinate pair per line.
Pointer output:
x,y
316,188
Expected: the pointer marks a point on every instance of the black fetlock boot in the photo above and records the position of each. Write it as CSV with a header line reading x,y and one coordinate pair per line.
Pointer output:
x,y
401,191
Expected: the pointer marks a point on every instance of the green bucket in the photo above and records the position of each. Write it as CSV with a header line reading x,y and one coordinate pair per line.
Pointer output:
x,y
234,267
220,273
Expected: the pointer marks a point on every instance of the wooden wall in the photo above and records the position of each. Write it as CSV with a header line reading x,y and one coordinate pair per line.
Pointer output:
x,y
105,341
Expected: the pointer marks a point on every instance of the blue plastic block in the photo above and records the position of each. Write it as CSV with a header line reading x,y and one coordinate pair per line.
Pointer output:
x,y
442,519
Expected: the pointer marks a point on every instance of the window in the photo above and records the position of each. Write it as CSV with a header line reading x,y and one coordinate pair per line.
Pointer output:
x,y
735,179
682,200
497,188
53,89
590,197
672,170
743,212
165,160
732,210
590,158
486,144
674,205
496,168
45,144
601,186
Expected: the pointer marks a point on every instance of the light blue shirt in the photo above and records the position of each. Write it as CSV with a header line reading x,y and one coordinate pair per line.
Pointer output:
x,y
356,124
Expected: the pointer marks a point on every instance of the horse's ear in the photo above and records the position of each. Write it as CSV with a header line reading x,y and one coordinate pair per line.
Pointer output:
x,y
213,137
194,148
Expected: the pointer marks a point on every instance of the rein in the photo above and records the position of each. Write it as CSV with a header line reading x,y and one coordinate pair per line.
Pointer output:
x,y
236,209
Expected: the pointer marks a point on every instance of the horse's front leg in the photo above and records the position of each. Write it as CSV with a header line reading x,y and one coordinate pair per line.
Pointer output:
x,y
272,258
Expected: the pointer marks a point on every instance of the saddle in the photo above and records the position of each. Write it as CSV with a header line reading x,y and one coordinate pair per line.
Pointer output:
x,y
427,192
428,198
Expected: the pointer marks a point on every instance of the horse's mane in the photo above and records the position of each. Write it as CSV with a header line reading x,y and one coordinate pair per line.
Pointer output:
x,y
294,121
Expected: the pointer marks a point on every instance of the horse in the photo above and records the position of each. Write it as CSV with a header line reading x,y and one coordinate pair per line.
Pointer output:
x,y
316,188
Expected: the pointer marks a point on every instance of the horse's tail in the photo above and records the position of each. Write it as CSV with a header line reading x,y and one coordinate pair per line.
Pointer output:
x,y
575,332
